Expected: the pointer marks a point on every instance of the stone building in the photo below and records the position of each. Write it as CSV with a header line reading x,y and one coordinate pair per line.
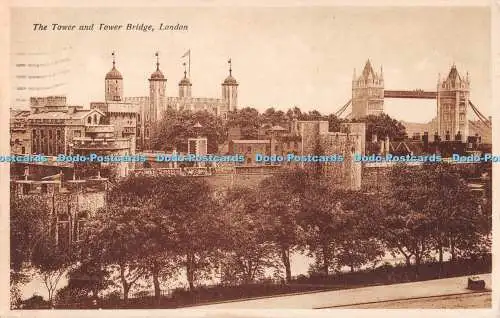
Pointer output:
x,y
20,137
70,204
57,128
452,104
53,128
305,138
250,148
367,92
53,124
346,143
150,109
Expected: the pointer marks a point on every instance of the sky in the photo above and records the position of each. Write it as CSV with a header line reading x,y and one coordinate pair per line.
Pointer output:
x,y
281,57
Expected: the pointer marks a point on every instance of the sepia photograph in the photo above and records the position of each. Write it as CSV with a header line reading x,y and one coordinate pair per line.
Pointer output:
x,y
250,157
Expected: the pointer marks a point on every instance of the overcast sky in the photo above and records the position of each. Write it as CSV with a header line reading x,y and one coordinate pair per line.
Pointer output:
x,y
281,56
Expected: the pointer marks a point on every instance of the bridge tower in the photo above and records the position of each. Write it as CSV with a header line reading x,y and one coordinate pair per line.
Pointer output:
x,y
452,103
367,92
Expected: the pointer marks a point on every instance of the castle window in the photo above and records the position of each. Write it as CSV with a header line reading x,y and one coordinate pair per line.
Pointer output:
x,y
23,150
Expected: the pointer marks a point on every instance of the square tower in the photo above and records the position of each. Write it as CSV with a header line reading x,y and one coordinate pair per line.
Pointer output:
x,y
367,92
452,103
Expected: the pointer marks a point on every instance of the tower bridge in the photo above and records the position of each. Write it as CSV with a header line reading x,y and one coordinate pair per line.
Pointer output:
x,y
451,95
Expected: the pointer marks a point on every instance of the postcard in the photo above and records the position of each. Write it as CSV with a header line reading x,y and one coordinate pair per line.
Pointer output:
x,y
222,159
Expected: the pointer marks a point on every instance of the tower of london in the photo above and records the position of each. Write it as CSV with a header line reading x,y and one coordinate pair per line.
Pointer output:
x,y
150,109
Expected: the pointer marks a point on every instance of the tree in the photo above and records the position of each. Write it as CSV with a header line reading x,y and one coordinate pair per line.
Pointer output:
x,y
248,250
29,225
280,197
408,223
360,244
334,122
147,194
312,115
273,117
29,231
324,217
247,119
428,207
52,263
383,126
177,126
193,219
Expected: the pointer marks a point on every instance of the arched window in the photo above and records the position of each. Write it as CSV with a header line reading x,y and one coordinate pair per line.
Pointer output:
x,y
95,119
89,120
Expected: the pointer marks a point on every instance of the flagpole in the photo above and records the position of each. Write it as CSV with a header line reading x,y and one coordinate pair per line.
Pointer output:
x,y
189,63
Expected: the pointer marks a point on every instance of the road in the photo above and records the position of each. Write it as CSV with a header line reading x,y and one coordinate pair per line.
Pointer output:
x,y
463,301
337,298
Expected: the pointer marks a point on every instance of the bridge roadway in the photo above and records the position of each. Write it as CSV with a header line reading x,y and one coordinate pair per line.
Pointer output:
x,y
349,297
420,94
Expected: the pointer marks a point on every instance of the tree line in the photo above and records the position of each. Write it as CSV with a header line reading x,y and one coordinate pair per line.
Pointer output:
x,y
177,126
155,227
